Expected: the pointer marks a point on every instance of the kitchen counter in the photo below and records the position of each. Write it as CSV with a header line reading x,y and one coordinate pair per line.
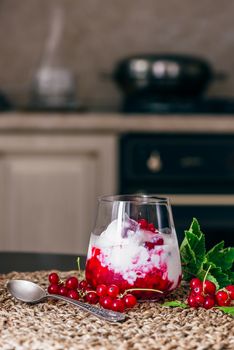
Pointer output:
x,y
114,123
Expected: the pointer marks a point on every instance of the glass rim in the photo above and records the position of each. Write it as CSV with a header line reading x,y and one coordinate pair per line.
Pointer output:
x,y
135,198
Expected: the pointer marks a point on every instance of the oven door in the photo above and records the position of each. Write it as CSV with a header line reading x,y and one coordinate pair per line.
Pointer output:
x,y
195,171
215,214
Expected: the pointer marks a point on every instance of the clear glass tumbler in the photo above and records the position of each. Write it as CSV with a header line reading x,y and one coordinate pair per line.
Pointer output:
x,y
134,246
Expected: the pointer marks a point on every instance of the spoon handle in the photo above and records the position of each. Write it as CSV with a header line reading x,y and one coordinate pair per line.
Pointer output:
x,y
108,315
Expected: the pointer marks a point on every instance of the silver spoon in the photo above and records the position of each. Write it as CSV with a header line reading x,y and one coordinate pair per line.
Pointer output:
x,y
30,292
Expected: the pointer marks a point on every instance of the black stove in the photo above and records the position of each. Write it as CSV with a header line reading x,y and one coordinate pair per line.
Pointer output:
x,y
204,105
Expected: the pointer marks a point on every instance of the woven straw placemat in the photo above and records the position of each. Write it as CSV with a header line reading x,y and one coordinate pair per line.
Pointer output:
x,y
57,325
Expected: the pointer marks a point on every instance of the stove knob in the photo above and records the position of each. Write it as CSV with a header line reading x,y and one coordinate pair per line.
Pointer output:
x,y
154,162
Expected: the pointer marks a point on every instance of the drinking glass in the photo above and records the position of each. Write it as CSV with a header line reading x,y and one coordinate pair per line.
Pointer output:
x,y
134,246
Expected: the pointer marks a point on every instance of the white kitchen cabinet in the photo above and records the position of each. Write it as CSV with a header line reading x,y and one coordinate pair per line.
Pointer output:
x,y
49,186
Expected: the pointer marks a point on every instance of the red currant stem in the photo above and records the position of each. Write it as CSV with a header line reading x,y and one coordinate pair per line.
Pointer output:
x,y
141,289
89,291
226,291
78,263
204,279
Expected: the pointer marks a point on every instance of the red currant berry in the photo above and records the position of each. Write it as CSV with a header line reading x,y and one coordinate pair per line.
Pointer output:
x,y
129,300
53,278
222,298
73,294
230,290
199,299
72,283
53,289
101,290
113,291
106,302
192,301
159,241
151,227
118,305
143,223
91,297
209,287
150,245
83,284
62,291
194,283
209,302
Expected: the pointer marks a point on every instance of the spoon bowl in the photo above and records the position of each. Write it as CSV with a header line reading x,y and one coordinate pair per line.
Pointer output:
x,y
32,293
26,291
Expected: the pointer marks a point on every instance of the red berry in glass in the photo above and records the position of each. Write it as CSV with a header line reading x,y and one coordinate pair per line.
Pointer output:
x,y
129,300
209,302
222,298
230,290
106,302
209,287
143,223
73,294
118,305
113,291
101,290
53,289
53,278
194,283
151,227
159,241
72,283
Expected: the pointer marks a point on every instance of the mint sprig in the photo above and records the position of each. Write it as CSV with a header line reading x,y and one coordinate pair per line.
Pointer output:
x,y
226,309
196,261
175,303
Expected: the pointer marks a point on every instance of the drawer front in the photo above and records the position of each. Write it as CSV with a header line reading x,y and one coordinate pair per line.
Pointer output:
x,y
185,159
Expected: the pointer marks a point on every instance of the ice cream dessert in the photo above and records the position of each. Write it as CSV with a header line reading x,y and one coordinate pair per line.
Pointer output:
x,y
135,255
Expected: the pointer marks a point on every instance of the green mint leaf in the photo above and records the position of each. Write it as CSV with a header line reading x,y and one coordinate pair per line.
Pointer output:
x,y
195,227
188,259
220,256
196,262
175,303
192,250
227,309
230,276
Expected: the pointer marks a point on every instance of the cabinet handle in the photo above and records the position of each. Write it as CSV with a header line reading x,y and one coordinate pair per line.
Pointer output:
x,y
154,162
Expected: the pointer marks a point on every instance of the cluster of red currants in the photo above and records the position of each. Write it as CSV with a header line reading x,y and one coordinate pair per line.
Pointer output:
x,y
108,297
204,294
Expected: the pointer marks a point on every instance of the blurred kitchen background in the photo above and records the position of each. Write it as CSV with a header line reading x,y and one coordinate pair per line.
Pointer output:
x,y
72,128
96,34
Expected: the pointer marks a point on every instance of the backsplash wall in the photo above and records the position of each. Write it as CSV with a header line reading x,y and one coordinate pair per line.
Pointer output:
x,y
98,33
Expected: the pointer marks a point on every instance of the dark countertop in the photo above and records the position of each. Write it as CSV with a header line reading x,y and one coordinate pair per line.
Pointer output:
x,y
22,262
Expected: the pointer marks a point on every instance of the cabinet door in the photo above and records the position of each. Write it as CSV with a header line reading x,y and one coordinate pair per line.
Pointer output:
x,y
50,193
